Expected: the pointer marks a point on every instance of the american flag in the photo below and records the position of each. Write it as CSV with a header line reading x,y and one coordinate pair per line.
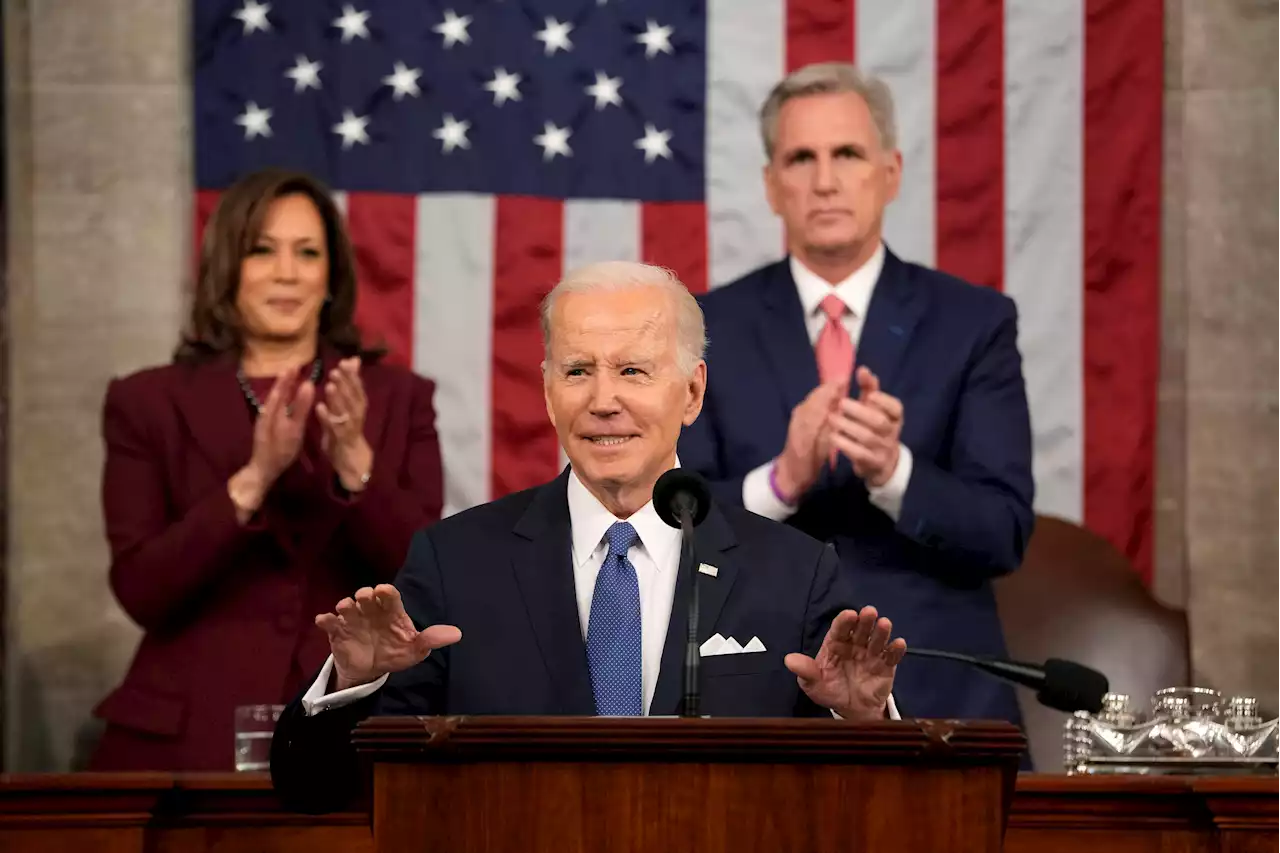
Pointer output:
x,y
480,148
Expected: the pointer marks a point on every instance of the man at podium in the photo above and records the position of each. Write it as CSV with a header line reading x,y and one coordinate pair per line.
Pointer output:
x,y
564,599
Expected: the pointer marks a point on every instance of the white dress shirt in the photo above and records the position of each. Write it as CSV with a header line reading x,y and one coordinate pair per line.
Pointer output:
x,y
656,557
855,291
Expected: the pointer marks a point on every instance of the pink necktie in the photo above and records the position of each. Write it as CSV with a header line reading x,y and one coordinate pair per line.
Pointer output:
x,y
834,348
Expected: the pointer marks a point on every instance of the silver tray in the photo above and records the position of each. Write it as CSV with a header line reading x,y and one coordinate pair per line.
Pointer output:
x,y
1188,730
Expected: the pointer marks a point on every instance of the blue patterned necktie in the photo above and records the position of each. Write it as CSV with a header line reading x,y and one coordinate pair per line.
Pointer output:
x,y
613,630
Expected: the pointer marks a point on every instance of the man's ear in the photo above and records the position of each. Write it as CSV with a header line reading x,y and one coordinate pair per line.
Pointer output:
x,y
697,392
546,394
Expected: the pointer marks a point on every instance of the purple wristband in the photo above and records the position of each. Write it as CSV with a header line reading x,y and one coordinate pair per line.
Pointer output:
x,y
773,484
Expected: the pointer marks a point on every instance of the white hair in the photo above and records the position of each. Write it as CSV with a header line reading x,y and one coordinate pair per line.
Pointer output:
x,y
825,78
621,275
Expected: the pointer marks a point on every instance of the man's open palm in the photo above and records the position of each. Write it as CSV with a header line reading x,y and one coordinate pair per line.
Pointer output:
x,y
370,635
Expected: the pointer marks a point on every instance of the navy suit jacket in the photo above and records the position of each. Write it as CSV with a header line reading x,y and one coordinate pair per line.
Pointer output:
x,y
948,350
502,573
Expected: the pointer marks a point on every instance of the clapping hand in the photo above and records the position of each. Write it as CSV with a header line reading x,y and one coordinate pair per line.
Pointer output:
x,y
277,439
868,430
342,416
808,440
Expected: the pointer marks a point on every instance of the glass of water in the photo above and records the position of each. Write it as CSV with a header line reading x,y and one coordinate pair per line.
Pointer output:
x,y
254,726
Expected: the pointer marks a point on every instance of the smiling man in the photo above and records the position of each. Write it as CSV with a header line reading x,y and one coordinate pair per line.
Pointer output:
x,y
566,598
875,404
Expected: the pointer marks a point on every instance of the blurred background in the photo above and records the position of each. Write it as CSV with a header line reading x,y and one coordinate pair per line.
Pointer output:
x,y
1111,165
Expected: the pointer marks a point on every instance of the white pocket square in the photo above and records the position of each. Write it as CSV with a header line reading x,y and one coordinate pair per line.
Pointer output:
x,y
717,645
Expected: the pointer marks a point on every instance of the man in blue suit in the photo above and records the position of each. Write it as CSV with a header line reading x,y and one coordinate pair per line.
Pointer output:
x,y
565,599
930,494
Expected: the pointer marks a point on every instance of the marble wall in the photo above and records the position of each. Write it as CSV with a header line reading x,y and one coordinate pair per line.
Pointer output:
x,y
99,171
1218,401
98,117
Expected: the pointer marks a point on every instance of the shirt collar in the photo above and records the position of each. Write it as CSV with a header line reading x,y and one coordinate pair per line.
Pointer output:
x,y
590,521
855,290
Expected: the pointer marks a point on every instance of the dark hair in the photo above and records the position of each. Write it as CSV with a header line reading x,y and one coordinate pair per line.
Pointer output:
x,y
215,325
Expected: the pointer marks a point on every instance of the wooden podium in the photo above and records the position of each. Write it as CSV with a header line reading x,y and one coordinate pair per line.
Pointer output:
x,y
725,785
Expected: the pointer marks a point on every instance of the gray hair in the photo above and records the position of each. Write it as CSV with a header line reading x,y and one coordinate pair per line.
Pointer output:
x,y
621,275
827,78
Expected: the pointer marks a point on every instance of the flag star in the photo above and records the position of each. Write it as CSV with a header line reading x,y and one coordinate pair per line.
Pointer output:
x,y
255,121
505,87
403,80
454,29
554,140
305,74
253,16
655,39
605,90
452,134
555,36
352,23
352,129
654,143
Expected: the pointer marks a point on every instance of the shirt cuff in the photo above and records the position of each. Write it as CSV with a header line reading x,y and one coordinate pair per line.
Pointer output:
x,y
889,495
892,709
315,700
758,495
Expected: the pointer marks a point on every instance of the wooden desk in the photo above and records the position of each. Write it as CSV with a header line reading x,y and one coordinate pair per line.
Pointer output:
x,y
237,813
164,813
1135,814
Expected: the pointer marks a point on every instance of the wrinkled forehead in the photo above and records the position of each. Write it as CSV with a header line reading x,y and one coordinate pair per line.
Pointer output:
x,y
606,325
826,119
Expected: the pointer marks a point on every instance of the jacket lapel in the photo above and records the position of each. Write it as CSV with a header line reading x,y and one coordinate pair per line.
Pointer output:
x,y
216,414
712,540
783,335
895,309
544,573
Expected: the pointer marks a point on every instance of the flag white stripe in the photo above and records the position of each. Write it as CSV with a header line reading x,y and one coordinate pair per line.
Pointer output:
x,y
1044,233
896,41
746,50
453,333
340,200
599,230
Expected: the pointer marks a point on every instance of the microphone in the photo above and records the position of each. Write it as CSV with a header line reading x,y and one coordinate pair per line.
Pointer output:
x,y
678,491
682,500
1060,684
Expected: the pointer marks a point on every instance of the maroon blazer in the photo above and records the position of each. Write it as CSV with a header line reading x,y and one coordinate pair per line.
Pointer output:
x,y
227,609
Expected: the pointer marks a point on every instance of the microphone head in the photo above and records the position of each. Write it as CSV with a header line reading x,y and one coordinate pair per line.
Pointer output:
x,y
1072,687
681,487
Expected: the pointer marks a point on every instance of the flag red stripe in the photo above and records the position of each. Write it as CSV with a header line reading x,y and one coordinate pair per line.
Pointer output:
x,y
528,260
382,228
970,140
1122,137
674,235
820,31
206,201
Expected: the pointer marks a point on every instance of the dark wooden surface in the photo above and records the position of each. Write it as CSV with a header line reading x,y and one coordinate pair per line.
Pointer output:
x,y
164,813
722,785
238,813
1161,814
727,739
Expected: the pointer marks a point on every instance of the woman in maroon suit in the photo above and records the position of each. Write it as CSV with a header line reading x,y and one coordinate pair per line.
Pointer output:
x,y
274,468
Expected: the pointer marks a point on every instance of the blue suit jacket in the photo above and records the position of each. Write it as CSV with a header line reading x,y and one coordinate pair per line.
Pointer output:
x,y
503,573
948,350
